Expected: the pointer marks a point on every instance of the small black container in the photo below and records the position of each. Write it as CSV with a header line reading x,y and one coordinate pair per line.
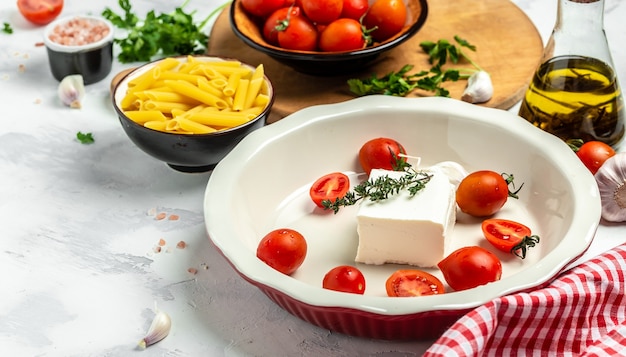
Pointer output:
x,y
93,61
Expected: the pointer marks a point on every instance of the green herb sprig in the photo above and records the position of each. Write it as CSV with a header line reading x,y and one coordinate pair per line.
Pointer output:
x,y
381,188
85,138
401,83
175,33
6,28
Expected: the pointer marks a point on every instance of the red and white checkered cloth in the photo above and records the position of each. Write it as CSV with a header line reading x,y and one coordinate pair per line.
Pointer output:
x,y
581,313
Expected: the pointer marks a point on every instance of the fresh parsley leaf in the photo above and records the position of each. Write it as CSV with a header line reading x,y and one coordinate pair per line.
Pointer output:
x,y
6,28
85,138
175,33
401,83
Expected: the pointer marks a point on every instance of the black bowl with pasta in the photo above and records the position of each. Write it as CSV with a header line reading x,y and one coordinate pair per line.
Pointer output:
x,y
191,111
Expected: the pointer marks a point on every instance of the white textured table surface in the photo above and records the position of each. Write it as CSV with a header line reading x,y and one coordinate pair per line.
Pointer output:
x,y
78,272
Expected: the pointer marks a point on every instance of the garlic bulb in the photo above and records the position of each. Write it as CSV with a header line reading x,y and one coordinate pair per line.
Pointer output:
x,y
159,329
611,179
71,90
479,88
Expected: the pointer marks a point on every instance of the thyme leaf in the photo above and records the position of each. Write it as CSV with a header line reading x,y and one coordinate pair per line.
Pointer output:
x,y
381,188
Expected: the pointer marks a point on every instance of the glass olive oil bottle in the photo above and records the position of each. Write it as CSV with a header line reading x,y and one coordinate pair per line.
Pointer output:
x,y
574,93
576,97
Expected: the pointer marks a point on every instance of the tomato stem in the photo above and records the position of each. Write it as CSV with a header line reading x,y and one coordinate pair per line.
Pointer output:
x,y
509,181
522,247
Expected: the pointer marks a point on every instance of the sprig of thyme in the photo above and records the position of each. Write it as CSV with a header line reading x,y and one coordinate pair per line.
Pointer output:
x,y
381,188
400,83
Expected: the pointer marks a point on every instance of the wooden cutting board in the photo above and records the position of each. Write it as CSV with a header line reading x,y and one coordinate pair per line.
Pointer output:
x,y
508,47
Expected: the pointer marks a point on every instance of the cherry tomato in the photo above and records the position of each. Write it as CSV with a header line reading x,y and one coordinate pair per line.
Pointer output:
x,y
262,8
322,11
342,35
593,154
345,278
381,153
411,282
389,16
40,12
482,193
354,9
469,267
329,187
297,33
509,236
283,249
270,32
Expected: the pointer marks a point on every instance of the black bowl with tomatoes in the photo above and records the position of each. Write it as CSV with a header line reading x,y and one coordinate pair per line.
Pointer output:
x,y
330,47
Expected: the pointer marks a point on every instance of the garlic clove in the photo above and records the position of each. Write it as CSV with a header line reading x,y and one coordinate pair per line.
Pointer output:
x,y
71,91
611,179
479,88
159,329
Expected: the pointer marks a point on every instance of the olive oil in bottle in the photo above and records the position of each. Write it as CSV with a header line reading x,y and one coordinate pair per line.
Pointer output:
x,y
574,93
576,97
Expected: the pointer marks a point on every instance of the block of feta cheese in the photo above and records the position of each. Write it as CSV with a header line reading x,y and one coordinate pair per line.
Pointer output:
x,y
406,229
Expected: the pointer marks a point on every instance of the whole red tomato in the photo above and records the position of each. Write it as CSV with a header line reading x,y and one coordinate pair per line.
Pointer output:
x,y
297,33
382,153
354,9
389,16
345,278
40,12
322,11
262,8
469,267
270,31
412,282
283,249
482,193
342,35
593,154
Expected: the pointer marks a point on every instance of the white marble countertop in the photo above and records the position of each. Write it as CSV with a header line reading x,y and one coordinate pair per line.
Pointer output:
x,y
79,271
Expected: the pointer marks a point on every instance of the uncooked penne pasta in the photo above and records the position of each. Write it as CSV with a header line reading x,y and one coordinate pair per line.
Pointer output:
x,y
196,97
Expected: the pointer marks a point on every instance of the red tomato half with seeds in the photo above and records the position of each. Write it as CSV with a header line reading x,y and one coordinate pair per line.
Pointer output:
x,y
509,236
322,11
382,153
342,35
389,16
345,278
412,282
283,249
329,187
469,267
298,33
40,12
593,154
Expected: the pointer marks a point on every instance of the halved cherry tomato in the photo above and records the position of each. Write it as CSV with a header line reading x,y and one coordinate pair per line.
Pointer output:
x,y
354,9
469,267
593,154
345,278
389,16
297,33
413,282
329,187
509,236
262,8
483,193
382,153
342,35
270,32
40,12
283,249
322,11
